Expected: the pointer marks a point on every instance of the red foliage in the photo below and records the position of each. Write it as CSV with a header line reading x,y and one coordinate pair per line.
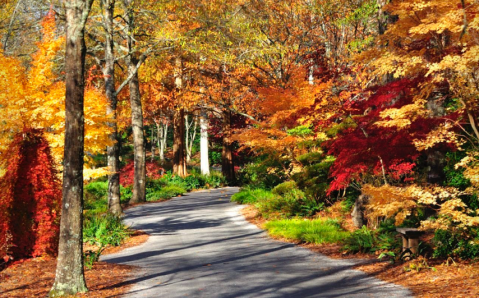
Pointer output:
x,y
368,148
127,173
30,195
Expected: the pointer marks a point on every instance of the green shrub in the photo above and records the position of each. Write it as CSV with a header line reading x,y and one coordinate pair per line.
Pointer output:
x,y
313,179
104,230
361,240
214,157
310,207
214,180
96,196
387,237
96,190
248,196
165,193
125,194
284,188
316,231
258,174
291,203
448,244
193,182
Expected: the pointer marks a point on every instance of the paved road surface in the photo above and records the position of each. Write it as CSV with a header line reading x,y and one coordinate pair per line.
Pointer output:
x,y
200,246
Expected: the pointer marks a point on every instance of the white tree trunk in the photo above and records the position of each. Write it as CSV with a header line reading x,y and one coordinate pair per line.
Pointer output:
x,y
190,135
205,164
162,135
152,143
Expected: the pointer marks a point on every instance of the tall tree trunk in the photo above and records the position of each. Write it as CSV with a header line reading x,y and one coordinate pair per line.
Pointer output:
x,y
187,137
190,136
179,148
205,163
179,156
69,277
227,163
162,133
113,151
152,143
139,184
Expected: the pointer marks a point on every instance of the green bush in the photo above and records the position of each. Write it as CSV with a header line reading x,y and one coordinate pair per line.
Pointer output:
x,y
96,196
125,194
165,193
284,188
361,240
96,190
248,196
313,179
193,182
282,206
448,244
214,157
258,174
387,237
214,180
104,230
316,231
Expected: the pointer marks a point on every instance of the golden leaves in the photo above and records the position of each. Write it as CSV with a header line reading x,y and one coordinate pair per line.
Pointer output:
x,y
403,117
400,202
441,134
35,98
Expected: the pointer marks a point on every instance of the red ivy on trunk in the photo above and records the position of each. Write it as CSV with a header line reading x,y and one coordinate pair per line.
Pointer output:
x,y
30,196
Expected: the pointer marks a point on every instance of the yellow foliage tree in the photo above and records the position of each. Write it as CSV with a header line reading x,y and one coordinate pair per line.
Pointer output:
x,y
35,98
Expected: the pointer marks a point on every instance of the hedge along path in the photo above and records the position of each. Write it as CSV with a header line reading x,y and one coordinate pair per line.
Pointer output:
x,y
200,246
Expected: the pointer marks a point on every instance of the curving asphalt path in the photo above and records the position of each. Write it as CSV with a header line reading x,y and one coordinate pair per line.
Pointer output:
x,y
200,246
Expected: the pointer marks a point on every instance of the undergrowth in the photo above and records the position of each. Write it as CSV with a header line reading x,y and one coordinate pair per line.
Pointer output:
x,y
317,231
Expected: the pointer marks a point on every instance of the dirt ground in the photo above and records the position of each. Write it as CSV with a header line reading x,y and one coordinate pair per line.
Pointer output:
x,y
34,277
425,278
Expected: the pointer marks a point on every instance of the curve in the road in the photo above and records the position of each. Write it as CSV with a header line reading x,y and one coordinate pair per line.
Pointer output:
x,y
200,246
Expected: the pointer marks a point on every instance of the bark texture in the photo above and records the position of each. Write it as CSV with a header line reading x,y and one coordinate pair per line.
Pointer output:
x,y
179,136
227,162
162,135
113,152
139,184
205,163
179,144
69,278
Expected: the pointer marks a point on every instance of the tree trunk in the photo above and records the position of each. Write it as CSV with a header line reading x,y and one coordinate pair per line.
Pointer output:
x,y
69,278
190,136
227,163
179,156
179,148
187,138
152,143
205,163
139,184
162,133
384,18
139,149
357,214
113,151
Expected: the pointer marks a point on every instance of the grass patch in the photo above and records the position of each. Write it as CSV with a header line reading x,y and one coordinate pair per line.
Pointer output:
x,y
248,196
165,193
104,230
317,231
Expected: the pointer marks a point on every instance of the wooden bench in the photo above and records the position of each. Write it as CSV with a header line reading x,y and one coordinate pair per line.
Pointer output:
x,y
410,240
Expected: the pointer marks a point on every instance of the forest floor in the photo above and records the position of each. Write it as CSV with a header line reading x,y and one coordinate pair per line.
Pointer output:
x,y
35,277
426,278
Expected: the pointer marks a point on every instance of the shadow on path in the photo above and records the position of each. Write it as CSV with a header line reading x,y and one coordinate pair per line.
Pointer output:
x,y
200,246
